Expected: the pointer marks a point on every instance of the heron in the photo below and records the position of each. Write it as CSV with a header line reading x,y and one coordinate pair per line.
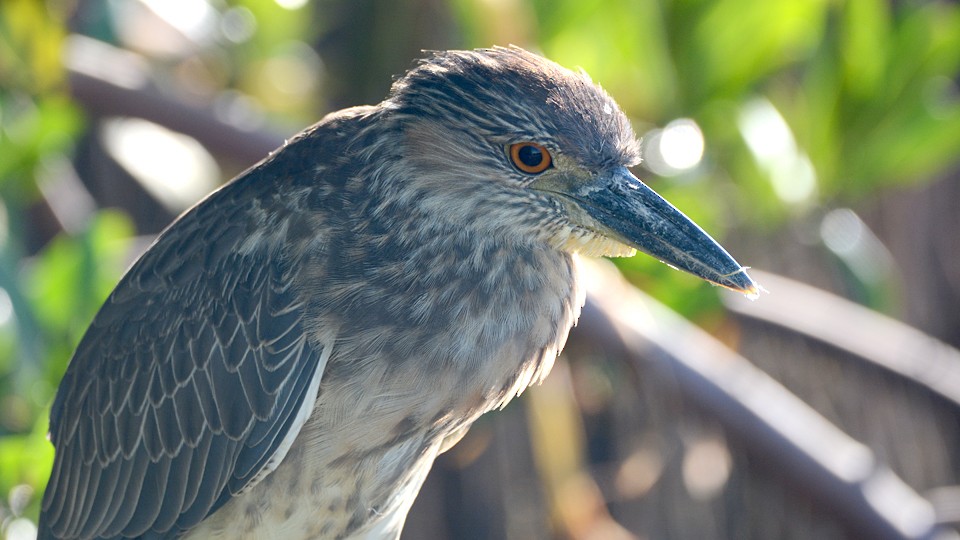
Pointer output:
x,y
290,355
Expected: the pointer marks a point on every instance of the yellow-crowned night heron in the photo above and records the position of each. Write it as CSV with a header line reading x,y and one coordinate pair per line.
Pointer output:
x,y
290,356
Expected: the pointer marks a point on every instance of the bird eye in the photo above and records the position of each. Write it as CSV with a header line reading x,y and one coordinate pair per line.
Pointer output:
x,y
529,157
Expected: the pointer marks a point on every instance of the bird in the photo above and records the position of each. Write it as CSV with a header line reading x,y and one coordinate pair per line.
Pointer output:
x,y
291,354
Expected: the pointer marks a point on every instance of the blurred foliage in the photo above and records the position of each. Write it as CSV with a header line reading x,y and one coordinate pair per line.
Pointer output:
x,y
46,298
866,88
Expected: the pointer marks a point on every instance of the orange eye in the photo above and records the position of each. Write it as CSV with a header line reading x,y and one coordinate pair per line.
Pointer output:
x,y
530,158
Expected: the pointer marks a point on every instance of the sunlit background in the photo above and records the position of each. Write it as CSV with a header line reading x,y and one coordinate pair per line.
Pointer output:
x,y
818,140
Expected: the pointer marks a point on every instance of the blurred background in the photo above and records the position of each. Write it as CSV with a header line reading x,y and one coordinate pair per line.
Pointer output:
x,y
819,140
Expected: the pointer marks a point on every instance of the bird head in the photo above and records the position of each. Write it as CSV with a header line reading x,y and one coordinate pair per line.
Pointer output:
x,y
534,151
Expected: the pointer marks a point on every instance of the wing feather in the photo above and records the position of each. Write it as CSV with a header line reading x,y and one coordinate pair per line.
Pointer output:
x,y
92,483
113,480
189,383
174,492
150,499
186,403
107,479
129,495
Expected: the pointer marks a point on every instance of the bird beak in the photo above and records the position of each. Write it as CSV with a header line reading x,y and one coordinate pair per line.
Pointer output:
x,y
639,217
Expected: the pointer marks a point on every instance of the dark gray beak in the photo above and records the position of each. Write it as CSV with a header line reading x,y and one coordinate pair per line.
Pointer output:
x,y
644,220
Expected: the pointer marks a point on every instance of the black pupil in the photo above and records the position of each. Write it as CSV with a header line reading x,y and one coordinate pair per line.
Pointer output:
x,y
530,155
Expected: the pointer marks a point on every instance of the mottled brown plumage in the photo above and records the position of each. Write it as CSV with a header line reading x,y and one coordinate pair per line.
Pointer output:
x,y
290,356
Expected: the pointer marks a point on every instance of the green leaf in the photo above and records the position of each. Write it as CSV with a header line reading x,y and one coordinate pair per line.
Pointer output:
x,y
73,275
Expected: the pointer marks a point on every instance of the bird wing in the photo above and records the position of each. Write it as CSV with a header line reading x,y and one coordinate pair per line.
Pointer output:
x,y
188,387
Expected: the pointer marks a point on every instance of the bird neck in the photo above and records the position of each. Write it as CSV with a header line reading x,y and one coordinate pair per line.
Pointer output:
x,y
484,312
